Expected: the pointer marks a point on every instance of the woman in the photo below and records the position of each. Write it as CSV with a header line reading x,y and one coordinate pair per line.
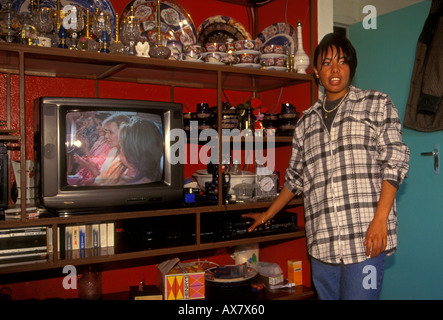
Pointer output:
x,y
141,145
112,167
347,161
96,155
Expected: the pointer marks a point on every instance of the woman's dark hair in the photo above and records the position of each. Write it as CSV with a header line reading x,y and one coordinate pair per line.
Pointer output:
x,y
142,144
339,42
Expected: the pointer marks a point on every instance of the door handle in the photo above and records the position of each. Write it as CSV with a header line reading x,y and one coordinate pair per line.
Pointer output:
x,y
435,154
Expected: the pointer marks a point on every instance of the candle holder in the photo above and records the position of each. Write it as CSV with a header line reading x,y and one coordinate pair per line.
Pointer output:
x,y
159,50
63,35
117,46
74,22
101,27
7,18
131,32
88,43
44,20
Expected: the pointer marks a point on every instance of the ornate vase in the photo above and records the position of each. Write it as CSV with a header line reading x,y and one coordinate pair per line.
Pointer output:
x,y
301,58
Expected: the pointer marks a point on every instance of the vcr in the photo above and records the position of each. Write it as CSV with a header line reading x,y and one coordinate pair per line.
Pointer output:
x,y
162,232
231,226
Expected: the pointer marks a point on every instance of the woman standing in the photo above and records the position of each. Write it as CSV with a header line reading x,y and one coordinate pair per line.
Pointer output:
x,y
347,161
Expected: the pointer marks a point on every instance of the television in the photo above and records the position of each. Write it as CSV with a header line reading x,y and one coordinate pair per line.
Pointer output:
x,y
93,154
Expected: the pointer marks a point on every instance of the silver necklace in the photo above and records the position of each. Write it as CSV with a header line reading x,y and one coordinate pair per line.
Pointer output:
x,y
336,107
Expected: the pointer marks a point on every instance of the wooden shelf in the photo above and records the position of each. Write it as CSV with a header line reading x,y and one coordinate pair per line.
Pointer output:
x,y
55,62
24,61
104,255
124,215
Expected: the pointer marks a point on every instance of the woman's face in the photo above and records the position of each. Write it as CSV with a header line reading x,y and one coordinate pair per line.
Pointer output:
x,y
100,128
111,133
132,171
333,72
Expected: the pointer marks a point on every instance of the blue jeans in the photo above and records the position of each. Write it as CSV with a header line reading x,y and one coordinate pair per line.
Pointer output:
x,y
357,281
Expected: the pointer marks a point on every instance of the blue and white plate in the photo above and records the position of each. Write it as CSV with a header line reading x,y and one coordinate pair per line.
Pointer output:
x,y
279,33
23,6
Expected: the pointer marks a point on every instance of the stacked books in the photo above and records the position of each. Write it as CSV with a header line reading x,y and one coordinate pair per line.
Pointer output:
x,y
79,241
30,244
23,244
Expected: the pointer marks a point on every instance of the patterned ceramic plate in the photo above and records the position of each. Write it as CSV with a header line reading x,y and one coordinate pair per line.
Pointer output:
x,y
219,29
176,23
279,33
23,6
248,65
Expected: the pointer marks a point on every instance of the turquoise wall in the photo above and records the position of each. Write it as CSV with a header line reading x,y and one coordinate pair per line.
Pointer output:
x,y
385,62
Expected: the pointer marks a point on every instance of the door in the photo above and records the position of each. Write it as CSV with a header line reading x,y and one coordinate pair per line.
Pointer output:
x,y
386,57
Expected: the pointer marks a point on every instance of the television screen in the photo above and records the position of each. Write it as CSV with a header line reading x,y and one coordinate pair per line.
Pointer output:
x,y
95,153
110,148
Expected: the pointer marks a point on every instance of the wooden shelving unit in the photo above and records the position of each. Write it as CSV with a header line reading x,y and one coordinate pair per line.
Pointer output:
x,y
24,61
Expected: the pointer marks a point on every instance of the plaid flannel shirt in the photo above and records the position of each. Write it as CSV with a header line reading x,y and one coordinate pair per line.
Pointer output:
x,y
340,173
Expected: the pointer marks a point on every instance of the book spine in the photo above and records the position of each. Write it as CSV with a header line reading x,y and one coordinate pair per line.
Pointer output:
x,y
95,236
103,235
88,236
75,238
82,235
68,238
110,234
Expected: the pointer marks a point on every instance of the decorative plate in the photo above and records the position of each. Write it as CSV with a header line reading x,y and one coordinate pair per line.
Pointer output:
x,y
176,23
239,52
277,68
248,65
219,29
279,33
23,6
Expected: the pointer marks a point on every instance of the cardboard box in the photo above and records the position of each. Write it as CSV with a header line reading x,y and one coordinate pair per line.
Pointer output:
x,y
181,281
295,272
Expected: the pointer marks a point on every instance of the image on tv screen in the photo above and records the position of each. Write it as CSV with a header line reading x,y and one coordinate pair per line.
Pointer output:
x,y
113,148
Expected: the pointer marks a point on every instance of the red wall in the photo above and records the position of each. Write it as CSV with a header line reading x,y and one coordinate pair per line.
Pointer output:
x,y
119,276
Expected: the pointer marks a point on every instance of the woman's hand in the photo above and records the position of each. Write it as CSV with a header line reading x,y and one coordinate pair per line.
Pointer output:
x,y
377,233
260,218
257,217
376,237
86,162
